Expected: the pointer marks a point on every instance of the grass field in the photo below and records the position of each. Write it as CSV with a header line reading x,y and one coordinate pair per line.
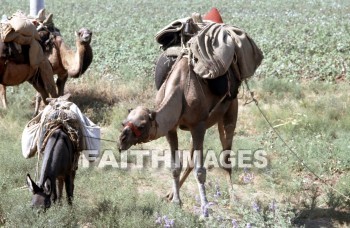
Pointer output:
x,y
302,86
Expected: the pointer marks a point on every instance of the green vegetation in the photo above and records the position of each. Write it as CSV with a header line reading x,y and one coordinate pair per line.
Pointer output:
x,y
302,86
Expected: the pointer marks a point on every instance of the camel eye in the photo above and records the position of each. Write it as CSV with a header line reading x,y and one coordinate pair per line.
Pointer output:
x,y
141,127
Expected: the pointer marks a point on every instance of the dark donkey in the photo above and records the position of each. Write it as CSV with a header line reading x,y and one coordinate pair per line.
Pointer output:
x,y
59,162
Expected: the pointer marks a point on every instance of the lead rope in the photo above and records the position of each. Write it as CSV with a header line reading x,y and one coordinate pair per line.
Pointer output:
x,y
37,168
288,147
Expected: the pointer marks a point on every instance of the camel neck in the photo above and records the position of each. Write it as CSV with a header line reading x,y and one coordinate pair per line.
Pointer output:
x,y
169,111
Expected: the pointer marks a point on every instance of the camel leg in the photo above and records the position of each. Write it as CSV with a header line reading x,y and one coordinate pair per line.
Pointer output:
x,y
3,96
176,165
184,176
37,102
226,131
61,82
200,172
38,85
46,75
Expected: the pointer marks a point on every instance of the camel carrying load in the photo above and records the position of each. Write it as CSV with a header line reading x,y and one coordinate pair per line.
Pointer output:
x,y
213,47
22,30
195,53
60,113
23,43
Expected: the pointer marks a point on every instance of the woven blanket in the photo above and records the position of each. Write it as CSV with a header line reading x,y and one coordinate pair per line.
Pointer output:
x,y
82,131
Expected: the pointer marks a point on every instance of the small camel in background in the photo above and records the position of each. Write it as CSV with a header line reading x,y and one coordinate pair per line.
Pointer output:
x,y
67,63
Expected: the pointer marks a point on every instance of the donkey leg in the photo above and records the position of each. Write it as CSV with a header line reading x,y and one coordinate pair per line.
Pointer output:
x,y
59,189
69,184
200,172
3,96
54,191
176,165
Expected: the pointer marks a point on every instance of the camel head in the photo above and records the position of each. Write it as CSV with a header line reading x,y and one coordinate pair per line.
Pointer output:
x,y
84,36
138,127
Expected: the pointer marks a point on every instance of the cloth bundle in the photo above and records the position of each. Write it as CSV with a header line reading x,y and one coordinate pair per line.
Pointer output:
x,y
215,47
33,135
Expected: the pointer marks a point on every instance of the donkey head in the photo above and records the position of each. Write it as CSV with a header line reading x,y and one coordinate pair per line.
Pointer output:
x,y
41,195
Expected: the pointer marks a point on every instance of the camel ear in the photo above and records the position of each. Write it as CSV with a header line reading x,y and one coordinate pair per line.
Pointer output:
x,y
77,34
152,115
48,20
41,15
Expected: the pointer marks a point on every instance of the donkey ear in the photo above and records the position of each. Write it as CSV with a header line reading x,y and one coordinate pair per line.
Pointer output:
x,y
31,185
65,97
47,186
152,115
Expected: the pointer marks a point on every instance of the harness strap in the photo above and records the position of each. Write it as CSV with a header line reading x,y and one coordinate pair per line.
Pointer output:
x,y
134,129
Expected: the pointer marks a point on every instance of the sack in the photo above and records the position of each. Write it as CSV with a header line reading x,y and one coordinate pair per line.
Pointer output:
x,y
91,132
30,136
248,54
23,26
217,47
170,34
214,49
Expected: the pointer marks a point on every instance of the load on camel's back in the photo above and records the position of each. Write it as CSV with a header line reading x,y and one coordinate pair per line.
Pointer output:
x,y
22,56
215,50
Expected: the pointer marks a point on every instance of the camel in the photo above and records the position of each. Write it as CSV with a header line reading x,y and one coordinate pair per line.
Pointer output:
x,y
64,61
184,101
67,63
16,70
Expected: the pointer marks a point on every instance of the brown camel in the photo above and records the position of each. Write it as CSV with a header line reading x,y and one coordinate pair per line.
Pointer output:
x,y
16,69
67,63
185,101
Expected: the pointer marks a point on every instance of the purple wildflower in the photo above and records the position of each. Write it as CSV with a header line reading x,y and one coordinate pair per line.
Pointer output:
x,y
159,220
256,207
247,177
165,221
234,223
273,206
198,200
217,189
196,210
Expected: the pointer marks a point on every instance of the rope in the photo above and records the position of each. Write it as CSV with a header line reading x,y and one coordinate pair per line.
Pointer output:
x,y
101,139
289,148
